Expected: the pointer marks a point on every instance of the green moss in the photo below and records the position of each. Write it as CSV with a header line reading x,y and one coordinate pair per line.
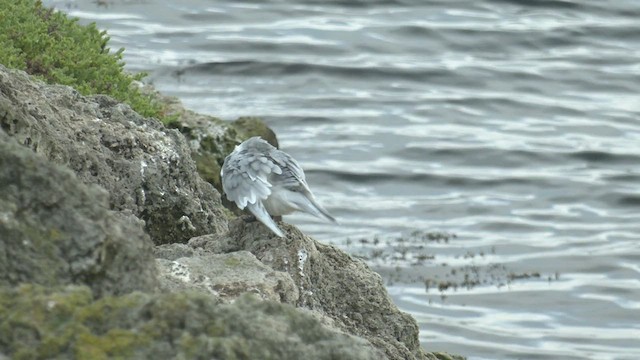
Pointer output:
x,y
39,323
63,323
100,311
57,49
208,165
35,323
232,262
249,126
55,234
116,343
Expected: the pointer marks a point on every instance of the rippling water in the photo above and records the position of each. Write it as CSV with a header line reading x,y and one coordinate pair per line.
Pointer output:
x,y
513,124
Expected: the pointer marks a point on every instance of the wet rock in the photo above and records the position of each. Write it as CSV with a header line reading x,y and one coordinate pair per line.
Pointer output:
x,y
67,323
55,230
145,168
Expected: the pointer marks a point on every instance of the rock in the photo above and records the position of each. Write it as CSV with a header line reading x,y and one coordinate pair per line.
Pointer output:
x,y
225,276
67,323
329,282
55,230
173,251
145,168
249,126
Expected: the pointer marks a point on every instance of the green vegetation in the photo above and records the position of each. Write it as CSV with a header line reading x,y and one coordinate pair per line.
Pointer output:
x,y
58,50
68,323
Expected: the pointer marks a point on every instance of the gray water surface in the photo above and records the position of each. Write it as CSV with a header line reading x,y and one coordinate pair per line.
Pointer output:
x,y
512,124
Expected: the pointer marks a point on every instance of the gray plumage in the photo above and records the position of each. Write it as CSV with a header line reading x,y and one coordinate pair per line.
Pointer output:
x,y
267,181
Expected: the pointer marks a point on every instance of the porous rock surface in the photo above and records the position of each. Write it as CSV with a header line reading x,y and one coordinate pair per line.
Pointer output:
x,y
225,276
145,168
55,230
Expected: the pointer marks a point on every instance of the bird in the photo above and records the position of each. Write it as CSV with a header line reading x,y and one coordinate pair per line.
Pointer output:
x,y
268,182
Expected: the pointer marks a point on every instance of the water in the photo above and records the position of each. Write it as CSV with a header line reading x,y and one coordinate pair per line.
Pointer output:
x,y
512,124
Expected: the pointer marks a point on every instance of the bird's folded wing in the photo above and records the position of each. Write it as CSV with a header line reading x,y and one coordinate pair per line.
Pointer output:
x,y
292,175
245,179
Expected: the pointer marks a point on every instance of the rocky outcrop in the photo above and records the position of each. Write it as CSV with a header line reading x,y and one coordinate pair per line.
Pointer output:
x,y
87,186
55,230
329,282
145,168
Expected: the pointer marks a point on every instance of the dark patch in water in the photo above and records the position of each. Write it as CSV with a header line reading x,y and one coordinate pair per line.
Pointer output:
x,y
428,179
605,157
276,69
629,200
410,259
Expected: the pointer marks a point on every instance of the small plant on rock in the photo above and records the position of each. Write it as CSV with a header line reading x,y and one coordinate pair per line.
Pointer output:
x,y
48,44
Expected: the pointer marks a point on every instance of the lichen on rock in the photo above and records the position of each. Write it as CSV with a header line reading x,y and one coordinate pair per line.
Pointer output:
x,y
38,323
224,276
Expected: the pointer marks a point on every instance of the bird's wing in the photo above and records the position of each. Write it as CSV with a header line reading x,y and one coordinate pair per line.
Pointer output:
x,y
306,202
292,176
245,176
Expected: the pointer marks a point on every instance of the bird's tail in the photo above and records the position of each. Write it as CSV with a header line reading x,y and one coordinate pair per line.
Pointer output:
x,y
261,214
307,202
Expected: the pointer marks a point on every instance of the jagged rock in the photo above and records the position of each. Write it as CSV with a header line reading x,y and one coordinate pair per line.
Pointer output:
x,y
224,276
329,282
145,167
67,323
55,230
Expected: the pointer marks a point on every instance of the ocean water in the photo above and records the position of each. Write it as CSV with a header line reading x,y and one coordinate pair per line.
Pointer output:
x,y
483,156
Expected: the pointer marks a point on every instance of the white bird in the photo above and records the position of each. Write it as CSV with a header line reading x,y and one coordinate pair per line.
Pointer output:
x,y
267,181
